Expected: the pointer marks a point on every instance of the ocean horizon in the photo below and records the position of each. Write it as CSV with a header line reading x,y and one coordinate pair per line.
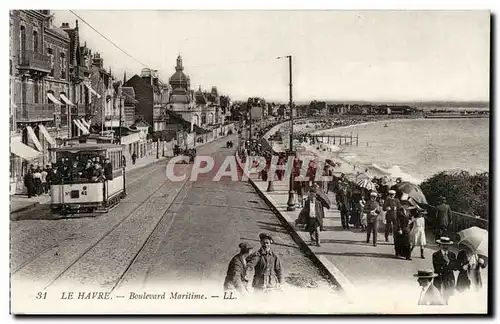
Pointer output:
x,y
417,149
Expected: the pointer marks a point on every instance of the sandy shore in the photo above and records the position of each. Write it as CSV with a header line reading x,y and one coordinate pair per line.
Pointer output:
x,y
353,170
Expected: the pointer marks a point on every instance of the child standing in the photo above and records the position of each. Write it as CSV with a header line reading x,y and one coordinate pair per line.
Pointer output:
x,y
417,233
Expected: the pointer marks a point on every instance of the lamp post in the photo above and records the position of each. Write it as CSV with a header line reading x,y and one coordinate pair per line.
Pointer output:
x,y
291,198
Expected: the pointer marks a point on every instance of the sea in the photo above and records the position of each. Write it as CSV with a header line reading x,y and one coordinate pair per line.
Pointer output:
x,y
416,149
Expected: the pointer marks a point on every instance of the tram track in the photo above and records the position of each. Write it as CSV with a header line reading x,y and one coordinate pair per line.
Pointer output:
x,y
149,238
71,236
81,229
109,233
58,259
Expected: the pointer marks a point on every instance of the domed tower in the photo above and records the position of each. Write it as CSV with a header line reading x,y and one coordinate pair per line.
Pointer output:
x,y
179,79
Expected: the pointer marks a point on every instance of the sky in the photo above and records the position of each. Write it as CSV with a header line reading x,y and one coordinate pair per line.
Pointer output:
x,y
336,55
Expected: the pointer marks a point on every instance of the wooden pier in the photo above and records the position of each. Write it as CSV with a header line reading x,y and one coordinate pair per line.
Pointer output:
x,y
331,139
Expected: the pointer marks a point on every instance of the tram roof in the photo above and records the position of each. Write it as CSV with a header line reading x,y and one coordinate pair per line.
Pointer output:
x,y
79,147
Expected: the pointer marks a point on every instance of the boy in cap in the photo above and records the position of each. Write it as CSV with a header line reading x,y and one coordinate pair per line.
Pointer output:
x,y
266,265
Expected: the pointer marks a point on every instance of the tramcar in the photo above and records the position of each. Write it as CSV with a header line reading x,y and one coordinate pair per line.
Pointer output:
x,y
84,182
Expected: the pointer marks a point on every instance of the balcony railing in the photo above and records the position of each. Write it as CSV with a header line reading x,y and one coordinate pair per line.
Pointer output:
x,y
35,61
35,112
79,109
461,221
112,117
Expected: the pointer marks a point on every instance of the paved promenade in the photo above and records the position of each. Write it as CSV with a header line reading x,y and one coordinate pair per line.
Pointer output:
x,y
363,271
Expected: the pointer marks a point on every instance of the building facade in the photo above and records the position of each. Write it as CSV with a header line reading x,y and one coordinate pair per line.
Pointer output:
x,y
183,100
39,90
79,65
101,89
152,96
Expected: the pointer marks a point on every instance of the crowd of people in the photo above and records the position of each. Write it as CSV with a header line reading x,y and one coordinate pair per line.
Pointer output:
x,y
368,210
81,169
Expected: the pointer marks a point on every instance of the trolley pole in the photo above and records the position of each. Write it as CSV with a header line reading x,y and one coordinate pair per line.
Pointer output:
x,y
158,148
291,197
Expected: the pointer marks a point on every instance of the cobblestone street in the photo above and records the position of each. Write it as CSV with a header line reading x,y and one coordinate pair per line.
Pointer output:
x,y
162,234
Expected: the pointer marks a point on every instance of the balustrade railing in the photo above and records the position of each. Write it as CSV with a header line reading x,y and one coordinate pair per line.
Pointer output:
x,y
33,112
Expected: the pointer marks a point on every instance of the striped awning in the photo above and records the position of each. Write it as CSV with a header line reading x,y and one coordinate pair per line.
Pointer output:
x,y
23,150
80,126
66,100
93,91
46,134
33,137
53,99
85,123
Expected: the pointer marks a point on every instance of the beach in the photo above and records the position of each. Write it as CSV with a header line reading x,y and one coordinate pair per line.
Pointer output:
x,y
427,147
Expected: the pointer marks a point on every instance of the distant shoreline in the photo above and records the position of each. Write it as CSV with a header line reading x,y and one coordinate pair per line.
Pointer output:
x,y
354,168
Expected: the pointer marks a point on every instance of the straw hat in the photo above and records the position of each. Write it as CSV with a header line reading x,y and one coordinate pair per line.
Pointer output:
x,y
373,194
392,192
425,274
444,240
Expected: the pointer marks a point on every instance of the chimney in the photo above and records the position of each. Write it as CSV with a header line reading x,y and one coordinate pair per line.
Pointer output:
x,y
97,60
65,25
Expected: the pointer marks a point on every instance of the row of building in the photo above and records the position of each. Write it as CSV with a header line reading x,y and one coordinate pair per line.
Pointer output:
x,y
60,89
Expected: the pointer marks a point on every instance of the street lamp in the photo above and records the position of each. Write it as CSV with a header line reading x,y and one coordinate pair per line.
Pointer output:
x,y
291,198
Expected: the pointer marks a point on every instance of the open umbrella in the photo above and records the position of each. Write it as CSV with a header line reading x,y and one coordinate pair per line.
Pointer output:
x,y
332,163
367,184
410,190
323,199
476,239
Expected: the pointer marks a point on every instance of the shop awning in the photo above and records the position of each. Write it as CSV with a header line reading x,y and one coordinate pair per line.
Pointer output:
x,y
66,100
80,126
23,151
46,134
53,99
33,137
84,127
129,139
85,123
93,91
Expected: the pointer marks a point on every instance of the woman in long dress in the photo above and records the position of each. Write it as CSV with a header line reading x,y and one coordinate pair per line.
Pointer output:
x,y
402,237
417,233
469,266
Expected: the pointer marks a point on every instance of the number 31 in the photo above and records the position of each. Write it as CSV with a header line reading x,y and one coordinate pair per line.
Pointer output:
x,y
41,295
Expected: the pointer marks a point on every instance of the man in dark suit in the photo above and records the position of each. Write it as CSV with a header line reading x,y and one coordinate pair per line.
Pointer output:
x,y
443,216
429,296
391,205
343,204
372,210
444,262
29,182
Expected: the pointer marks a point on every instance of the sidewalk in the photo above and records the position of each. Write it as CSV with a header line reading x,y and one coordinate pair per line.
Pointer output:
x,y
363,271
19,203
